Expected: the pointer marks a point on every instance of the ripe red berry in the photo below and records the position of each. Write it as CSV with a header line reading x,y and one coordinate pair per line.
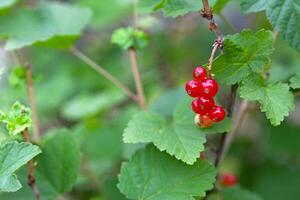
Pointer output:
x,y
217,113
209,87
193,88
203,121
199,73
228,179
202,105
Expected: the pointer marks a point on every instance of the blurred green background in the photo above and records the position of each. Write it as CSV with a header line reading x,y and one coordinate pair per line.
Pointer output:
x,y
69,94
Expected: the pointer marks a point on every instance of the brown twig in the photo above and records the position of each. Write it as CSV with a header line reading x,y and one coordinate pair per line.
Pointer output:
x,y
207,13
237,123
137,78
134,63
227,138
229,108
31,95
31,177
103,72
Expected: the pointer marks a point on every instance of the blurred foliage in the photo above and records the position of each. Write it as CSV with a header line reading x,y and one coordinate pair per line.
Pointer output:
x,y
17,120
69,94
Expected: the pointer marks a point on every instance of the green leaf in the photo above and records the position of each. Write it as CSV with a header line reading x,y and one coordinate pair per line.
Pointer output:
x,y
276,99
86,105
4,4
130,38
60,161
154,175
14,155
295,82
44,25
284,16
244,53
236,193
180,138
248,6
25,193
17,120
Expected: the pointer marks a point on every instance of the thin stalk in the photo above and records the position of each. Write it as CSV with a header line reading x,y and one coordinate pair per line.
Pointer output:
x,y
31,95
31,178
134,63
211,58
137,78
103,72
230,106
237,123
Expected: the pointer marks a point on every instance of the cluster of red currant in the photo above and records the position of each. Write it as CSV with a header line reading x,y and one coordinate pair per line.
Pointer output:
x,y
204,88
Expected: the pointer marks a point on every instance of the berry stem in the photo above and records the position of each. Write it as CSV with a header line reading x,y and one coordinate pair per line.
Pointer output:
x,y
207,13
211,58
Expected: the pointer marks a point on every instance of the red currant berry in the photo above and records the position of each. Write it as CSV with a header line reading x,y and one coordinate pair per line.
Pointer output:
x,y
209,87
228,179
193,88
217,113
202,105
199,73
203,121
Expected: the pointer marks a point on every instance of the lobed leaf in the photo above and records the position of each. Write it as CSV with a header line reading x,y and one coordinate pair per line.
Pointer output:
x,y
14,155
155,175
244,53
284,16
276,100
179,137
17,120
